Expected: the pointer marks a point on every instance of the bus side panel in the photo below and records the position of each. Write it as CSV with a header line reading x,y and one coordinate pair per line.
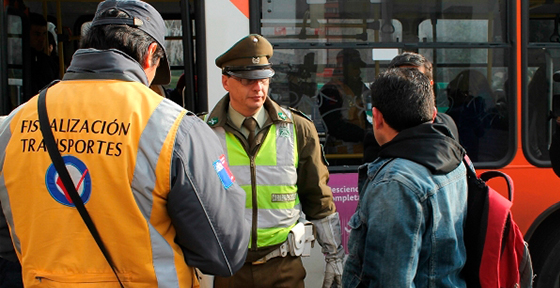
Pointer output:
x,y
226,23
534,192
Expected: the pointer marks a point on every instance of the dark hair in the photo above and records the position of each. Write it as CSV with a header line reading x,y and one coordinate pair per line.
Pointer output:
x,y
404,96
413,59
132,41
36,19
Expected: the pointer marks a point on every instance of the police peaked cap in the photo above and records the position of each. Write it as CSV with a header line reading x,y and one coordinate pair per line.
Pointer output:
x,y
144,17
248,58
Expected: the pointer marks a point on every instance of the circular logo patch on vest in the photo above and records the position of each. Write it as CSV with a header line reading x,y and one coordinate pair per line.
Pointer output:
x,y
80,176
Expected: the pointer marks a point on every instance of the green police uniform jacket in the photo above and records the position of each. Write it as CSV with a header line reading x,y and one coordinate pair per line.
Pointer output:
x,y
310,175
151,174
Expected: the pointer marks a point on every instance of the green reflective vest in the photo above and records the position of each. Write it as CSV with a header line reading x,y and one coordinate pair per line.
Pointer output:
x,y
270,180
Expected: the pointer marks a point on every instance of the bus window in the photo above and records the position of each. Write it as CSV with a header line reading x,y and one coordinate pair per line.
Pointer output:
x,y
304,21
15,62
467,42
174,47
332,88
542,61
471,86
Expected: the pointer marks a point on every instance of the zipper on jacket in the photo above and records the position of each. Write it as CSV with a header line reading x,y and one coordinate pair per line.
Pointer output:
x,y
254,203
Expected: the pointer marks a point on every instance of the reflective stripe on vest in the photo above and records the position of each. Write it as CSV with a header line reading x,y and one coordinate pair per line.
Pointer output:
x,y
276,180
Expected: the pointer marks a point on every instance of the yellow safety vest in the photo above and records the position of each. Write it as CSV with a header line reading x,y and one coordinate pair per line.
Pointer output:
x,y
117,140
273,173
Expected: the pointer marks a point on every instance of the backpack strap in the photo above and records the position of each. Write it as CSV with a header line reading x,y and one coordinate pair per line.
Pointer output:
x,y
485,176
60,167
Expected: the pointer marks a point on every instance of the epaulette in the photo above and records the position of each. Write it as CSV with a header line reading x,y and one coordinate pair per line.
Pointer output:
x,y
298,112
202,115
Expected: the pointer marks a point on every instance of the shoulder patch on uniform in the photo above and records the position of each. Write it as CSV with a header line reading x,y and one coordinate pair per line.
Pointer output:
x,y
298,112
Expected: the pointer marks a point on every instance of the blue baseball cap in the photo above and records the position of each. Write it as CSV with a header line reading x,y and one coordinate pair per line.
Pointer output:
x,y
141,16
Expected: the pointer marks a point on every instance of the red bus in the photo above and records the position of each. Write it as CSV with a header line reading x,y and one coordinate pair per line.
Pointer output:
x,y
493,60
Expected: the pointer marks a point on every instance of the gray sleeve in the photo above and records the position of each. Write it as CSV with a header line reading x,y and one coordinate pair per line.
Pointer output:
x,y
206,209
6,246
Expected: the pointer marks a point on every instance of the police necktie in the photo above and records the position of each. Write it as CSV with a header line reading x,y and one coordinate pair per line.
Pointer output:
x,y
250,123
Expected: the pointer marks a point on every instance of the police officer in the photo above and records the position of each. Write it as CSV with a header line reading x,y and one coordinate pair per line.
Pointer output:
x,y
152,175
276,157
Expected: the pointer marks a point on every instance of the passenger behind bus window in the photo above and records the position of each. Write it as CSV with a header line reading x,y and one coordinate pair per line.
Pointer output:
x,y
538,114
43,69
470,97
53,47
342,107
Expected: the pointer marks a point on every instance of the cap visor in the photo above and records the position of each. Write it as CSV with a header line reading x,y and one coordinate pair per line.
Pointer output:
x,y
163,73
253,74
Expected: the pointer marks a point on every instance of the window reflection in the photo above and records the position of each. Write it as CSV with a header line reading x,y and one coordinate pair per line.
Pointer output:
x,y
309,35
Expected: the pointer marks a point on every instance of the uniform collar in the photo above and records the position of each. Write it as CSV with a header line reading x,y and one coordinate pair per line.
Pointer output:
x,y
218,116
237,119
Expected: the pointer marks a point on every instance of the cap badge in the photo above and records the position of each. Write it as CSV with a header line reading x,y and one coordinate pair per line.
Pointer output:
x,y
213,121
281,115
256,60
138,22
255,39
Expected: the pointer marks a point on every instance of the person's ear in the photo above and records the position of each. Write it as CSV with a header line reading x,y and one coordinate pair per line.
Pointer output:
x,y
377,117
149,55
225,82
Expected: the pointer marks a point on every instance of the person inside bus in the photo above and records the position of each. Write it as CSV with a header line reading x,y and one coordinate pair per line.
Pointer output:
x,y
538,114
53,47
342,107
470,97
409,60
151,174
408,228
43,68
287,175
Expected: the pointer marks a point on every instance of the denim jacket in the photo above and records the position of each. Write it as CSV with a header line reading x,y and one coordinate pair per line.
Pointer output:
x,y
408,228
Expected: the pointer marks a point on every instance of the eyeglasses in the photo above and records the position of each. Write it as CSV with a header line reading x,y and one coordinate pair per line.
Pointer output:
x,y
250,82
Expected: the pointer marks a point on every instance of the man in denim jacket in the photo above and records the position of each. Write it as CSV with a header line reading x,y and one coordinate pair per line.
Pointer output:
x,y
408,228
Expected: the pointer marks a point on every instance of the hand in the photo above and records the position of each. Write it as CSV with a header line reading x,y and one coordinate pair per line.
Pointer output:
x,y
333,273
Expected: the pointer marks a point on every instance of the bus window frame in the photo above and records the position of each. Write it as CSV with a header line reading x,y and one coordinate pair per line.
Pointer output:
x,y
3,59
